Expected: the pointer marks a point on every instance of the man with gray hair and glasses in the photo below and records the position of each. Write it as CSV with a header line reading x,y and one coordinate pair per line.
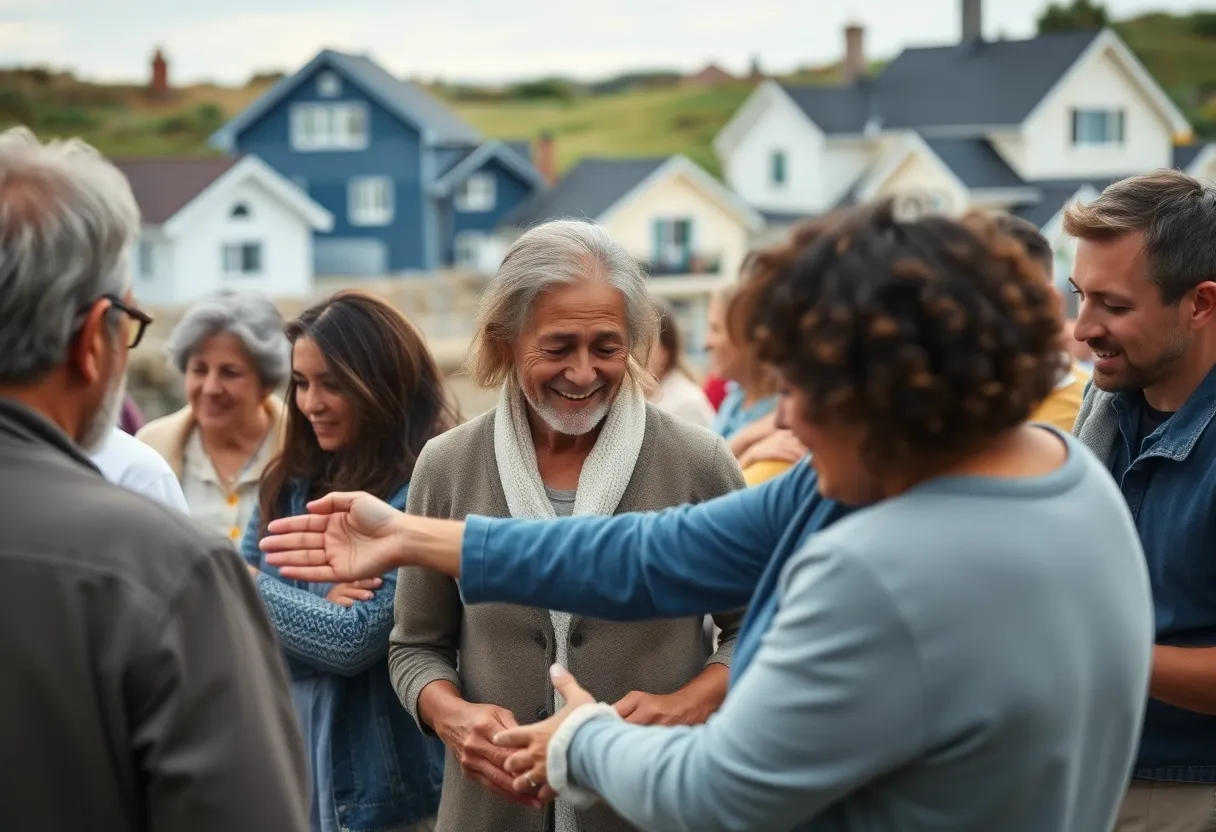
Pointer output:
x,y
142,687
1146,274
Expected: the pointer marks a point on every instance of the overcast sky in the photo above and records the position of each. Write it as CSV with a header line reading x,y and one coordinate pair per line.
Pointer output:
x,y
484,40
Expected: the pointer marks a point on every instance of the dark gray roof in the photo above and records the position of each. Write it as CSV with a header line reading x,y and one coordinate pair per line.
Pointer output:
x,y
834,109
780,218
458,157
1054,194
1185,154
975,163
985,84
404,99
589,189
521,148
164,186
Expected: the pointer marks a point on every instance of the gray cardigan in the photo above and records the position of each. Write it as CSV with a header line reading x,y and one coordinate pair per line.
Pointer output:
x,y
505,650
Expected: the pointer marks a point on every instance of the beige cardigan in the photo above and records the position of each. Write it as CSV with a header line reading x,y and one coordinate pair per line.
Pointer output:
x,y
505,650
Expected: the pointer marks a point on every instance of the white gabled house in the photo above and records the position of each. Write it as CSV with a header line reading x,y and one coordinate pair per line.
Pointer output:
x,y
1021,126
209,223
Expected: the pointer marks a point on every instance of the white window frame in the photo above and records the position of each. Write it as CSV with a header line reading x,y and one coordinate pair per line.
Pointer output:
x,y
329,126
466,249
1098,126
669,245
329,85
370,201
477,193
232,258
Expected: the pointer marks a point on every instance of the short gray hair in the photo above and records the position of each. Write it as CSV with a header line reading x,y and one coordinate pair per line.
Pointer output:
x,y
1175,212
250,316
67,222
559,252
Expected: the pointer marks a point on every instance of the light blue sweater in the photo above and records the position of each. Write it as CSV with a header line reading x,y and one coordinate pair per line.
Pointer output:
x,y
971,655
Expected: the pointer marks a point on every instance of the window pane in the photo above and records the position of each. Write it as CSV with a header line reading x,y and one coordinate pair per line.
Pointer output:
x,y
251,258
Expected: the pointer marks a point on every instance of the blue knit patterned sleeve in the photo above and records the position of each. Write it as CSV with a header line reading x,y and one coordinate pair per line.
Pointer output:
x,y
328,636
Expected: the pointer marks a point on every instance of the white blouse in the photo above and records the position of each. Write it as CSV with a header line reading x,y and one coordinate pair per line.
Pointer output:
x,y
211,502
680,396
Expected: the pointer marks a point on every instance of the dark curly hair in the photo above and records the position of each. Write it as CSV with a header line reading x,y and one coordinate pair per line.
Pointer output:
x,y
934,334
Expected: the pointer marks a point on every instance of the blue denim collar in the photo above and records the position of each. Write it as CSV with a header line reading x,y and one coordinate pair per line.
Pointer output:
x,y
1177,436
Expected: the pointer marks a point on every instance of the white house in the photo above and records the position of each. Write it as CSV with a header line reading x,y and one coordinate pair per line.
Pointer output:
x,y
689,232
209,223
1022,126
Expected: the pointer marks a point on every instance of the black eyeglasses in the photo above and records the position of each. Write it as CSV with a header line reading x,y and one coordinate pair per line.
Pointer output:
x,y
140,317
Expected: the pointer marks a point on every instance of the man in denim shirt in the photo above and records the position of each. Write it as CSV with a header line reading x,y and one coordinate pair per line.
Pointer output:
x,y
1145,270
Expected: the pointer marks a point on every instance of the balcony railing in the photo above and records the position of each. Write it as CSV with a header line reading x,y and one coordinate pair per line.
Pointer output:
x,y
695,264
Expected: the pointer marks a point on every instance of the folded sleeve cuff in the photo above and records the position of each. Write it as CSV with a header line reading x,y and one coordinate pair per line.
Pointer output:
x,y
472,558
557,765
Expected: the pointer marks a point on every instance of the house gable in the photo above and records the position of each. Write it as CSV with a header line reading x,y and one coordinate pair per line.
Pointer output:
x,y
432,119
913,170
1197,160
1106,78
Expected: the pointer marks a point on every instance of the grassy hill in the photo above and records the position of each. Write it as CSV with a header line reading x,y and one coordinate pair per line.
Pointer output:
x,y
659,116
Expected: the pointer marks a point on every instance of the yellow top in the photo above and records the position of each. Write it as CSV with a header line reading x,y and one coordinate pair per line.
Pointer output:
x,y
1061,407
764,470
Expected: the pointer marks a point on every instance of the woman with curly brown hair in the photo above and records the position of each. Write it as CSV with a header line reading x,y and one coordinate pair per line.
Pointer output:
x,y
968,651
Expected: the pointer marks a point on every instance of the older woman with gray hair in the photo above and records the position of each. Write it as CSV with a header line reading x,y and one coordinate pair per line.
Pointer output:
x,y
231,349
563,331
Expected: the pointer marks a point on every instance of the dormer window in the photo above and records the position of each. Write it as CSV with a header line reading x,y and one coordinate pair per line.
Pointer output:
x,y
777,171
240,211
476,193
329,85
1097,127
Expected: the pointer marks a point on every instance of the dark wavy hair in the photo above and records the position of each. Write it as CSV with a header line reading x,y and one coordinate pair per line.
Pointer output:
x,y
382,365
934,334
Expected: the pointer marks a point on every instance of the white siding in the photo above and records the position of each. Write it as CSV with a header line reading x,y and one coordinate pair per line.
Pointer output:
x,y
780,127
286,239
843,163
1098,82
1012,148
156,285
716,232
920,176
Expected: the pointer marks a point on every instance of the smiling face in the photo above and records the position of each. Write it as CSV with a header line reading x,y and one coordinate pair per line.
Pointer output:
x,y
319,397
572,356
222,384
1137,339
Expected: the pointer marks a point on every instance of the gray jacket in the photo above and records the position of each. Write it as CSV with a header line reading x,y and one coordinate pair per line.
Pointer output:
x,y
141,688
505,650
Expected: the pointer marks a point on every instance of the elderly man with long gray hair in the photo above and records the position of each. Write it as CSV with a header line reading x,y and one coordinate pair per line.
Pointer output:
x,y
563,331
143,688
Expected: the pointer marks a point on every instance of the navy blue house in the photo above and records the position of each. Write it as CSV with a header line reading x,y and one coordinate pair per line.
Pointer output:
x,y
411,186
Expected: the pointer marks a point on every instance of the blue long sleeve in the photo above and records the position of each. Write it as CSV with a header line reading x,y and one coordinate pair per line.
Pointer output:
x,y
320,633
692,560
804,727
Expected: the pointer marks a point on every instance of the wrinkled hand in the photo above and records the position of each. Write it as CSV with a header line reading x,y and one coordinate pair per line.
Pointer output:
x,y
468,732
676,708
532,741
345,537
347,594
780,445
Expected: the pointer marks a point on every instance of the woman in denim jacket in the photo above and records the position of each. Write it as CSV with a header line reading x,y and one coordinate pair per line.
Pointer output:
x,y
364,397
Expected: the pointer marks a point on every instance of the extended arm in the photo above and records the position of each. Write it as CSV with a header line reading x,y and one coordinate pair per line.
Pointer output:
x,y
320,633
691,560
1185,677
814,718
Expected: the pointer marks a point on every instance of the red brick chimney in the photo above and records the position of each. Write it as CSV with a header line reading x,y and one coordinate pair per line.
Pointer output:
x,y
544,157
159,86
854,67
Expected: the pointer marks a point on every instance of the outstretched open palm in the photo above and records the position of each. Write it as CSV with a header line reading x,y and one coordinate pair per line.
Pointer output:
x,y
344,537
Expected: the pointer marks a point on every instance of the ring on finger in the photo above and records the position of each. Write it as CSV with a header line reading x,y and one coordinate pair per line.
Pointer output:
x,y
531,782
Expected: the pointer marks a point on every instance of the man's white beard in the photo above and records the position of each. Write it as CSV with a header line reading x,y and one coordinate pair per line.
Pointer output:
x,y
105,419
569,424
